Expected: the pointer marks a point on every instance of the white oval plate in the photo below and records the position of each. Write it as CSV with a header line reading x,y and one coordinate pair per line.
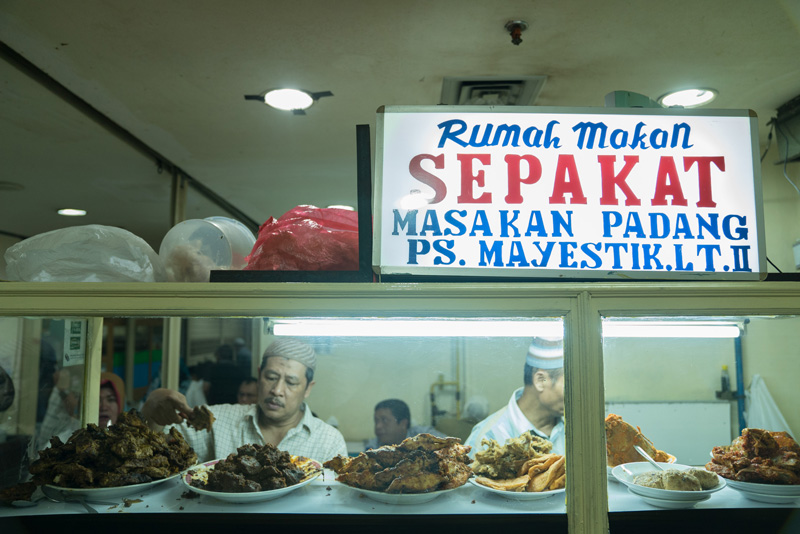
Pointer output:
x,y
625,473
609,469
669,504
518,495
248,497
765,489
399,498
102,494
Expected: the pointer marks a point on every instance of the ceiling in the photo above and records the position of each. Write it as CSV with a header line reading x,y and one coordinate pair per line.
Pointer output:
x,y
172,76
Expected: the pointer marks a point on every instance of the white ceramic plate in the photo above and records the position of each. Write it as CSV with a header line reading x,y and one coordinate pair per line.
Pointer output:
x,y
765,489
399,498
625,473
669,504
102,494
518,495
249,497
611,475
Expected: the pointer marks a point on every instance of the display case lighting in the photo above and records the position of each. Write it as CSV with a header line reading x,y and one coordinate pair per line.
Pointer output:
x,y
670,329
374,327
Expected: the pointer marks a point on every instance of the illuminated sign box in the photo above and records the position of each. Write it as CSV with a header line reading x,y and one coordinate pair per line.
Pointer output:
x,y
568,193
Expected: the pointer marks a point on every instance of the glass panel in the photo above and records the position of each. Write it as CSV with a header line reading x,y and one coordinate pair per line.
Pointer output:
x,y
680,395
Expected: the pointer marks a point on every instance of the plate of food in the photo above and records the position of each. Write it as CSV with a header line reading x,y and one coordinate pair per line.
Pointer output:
x,y
621,437
761,464
97,495
252,474
677,486
419,469
515,494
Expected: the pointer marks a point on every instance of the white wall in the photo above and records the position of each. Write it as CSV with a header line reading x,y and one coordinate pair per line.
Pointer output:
x,y
781,210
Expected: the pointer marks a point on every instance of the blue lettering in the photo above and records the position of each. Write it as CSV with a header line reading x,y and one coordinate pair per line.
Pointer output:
x,y
481,223
611,219
548,250
431,224
586,248
493,255
450,217
506,224
559,223
517,256
443,247
410,221
417,247
452,129
740,231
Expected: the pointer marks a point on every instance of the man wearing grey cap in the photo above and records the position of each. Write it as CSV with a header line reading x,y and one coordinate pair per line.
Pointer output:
x,y
537,407
280,417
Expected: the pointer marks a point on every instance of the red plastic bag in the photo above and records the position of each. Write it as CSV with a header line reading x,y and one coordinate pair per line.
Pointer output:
x,y
307,238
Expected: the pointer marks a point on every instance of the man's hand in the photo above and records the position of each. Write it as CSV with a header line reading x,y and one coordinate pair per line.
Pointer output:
x,y
165,407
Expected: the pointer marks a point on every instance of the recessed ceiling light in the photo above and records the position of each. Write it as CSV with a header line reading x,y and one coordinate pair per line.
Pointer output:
x,y
688,98
71,212
288,99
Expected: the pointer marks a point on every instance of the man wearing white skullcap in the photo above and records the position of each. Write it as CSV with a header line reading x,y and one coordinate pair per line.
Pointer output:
x,y
280,417
537,407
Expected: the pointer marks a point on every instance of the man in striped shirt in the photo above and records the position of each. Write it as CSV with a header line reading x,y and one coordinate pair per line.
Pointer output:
x,y
537,407
280,417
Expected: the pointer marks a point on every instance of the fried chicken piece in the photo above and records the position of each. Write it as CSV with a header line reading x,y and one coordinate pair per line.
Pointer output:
x,y
755,442
506,461
428,442
620,439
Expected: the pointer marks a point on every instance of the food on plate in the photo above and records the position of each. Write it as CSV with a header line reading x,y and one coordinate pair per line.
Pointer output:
x,y
22,491
419,464
505,461
120,455
759,456
523,463
620,439
200,418
677,480
254,468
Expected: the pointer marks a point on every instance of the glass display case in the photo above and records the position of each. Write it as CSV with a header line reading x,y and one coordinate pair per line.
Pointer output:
x,y
651,355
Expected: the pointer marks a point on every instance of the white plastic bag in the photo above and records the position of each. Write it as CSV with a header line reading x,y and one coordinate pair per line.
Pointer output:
x,y
762,412
90,253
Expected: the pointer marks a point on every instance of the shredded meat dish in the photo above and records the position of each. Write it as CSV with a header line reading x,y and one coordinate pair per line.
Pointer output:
x,y
523,463
419,464
123,454
255,468
758,456
620,439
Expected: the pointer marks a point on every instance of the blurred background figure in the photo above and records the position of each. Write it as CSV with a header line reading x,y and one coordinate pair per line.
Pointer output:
x,y
244,358
248,391
112,399
393,424
223,378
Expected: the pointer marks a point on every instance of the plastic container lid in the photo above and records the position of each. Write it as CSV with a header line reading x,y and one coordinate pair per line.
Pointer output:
x,y
193,248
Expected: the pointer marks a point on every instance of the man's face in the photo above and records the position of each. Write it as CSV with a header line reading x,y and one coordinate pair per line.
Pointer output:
x,y
109,408
282,388
248,393
552,394
389,430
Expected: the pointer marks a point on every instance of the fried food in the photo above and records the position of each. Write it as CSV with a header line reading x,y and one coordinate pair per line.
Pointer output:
x,y
419,464
523,463
759,456
620,439
506,461
255,468
200,418
677,480
122,454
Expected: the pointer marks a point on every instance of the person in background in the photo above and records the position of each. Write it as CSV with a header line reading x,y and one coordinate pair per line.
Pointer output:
x,y
62,418
244,358
393,424
281,416
248,391
223,378
537,407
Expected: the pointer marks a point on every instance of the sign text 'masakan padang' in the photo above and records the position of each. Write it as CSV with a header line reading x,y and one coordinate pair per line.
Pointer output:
x,y
590,135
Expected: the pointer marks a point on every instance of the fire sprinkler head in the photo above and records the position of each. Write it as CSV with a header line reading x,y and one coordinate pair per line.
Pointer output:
x,y
515,29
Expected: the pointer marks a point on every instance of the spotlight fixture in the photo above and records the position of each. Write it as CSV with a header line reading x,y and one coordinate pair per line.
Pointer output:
x,y
688,98
71,212
293,100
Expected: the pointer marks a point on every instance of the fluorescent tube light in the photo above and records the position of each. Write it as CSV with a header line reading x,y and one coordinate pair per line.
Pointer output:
x,y
672,329
416,328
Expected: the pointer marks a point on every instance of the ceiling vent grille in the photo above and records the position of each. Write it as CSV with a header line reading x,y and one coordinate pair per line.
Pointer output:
x,y
492,91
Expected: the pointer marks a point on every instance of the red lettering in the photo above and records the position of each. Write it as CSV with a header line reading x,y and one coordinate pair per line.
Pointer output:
x,y
514,175
468,177
668,183
611,181
438,185
566,165
704,176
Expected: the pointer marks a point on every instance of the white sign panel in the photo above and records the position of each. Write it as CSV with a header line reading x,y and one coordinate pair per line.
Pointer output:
x,y
588,193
